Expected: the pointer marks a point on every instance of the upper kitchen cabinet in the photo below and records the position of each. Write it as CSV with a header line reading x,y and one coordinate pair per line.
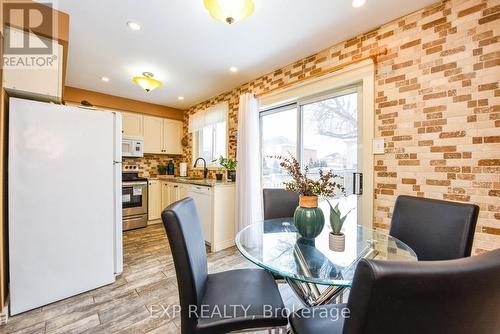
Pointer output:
x,y
153,134
172,134
43,81
162,136
133,124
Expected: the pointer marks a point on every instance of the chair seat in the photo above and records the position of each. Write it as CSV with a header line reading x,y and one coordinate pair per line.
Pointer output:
x,y
227,291
319,319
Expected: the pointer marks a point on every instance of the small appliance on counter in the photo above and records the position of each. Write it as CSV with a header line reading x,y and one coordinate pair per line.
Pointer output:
x,y
134,199
183,169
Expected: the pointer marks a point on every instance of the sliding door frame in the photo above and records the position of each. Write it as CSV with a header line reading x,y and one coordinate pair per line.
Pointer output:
x,y
359,75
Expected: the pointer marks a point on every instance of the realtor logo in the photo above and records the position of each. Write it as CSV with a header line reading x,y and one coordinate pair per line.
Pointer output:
x,y
25,46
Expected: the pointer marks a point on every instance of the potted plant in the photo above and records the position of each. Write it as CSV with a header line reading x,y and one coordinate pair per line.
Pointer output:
x,y
230,166
336,239
218,174
162,169
308,218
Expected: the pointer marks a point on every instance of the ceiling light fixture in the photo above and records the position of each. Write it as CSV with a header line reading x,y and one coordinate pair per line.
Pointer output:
x,y
358,3
134,25
147,82
233,69
181,98
229,11
105,79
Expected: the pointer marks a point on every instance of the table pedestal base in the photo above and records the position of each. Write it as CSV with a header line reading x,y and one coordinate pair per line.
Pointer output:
x,y
310,294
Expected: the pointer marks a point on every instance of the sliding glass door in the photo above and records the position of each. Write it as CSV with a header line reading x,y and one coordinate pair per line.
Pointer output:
x,y
323,132
278,138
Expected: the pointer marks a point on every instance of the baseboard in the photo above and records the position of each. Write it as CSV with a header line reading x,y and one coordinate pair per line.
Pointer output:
x,y
153,222
222,245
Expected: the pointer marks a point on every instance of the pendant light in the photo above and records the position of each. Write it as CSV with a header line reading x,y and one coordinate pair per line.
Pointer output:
x,y
229,11
147,82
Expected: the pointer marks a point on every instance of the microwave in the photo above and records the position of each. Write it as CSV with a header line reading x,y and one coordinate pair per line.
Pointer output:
x,y
132,146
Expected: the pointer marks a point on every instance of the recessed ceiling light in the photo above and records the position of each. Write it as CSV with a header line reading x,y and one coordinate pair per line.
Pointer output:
x,y
105,79
358,3
233,69
181,98
134,25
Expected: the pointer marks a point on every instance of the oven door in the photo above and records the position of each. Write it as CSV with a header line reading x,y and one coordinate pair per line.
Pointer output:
x,y
134,198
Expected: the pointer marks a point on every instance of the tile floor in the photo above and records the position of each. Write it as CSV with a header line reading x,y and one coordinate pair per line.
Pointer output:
x,y
133,304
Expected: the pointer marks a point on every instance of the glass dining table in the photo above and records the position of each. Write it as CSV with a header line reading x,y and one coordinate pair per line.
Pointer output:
x,y
316,274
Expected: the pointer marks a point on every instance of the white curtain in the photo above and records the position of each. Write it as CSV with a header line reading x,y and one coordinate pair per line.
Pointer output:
x,y
209,116
248,186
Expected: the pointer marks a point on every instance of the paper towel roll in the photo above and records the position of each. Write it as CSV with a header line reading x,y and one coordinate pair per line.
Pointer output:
x,y
183,169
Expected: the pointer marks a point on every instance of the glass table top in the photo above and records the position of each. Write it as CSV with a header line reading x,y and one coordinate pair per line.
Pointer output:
x,y
276,246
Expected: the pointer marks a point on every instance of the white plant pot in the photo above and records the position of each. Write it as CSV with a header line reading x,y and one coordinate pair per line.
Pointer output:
x,y
336,242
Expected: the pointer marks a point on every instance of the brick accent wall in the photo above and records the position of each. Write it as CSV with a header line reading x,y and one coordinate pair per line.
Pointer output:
x,y
148,165
437,106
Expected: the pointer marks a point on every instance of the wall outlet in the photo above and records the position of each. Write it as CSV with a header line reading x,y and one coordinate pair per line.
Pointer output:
x,y
378,146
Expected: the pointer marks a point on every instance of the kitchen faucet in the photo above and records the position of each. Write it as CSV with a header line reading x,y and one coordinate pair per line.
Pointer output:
x,y
205,169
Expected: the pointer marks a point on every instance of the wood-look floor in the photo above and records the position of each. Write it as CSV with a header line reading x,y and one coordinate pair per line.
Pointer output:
x,y
133,304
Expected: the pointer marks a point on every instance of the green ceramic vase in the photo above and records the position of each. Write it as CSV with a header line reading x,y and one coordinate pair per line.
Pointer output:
x,y
308,220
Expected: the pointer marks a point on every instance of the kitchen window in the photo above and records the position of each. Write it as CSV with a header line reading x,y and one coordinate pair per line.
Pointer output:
x,y
210,142
209,130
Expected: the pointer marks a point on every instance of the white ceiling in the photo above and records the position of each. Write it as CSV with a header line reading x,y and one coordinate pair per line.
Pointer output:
x,y
191,53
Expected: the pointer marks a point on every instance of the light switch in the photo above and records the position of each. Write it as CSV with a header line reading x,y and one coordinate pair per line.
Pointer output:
x,y
378,146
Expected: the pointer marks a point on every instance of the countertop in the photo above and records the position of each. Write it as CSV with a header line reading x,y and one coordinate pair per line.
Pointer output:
x,y
197,182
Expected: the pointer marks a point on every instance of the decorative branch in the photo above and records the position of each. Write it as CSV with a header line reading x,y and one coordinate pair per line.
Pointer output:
x,y
325,186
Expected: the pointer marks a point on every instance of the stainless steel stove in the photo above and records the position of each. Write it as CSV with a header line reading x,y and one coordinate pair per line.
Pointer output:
x,y
134,199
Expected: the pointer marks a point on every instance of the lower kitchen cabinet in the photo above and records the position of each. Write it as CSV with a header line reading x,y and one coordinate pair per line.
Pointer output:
x,y
216,211
154,200
215,207
171,192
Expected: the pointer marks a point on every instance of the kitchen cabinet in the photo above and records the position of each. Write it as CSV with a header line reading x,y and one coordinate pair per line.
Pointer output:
x,y
162,136
153,134
215,206
216,211
132,124
172,192
44,83
154,200
172,134
165,195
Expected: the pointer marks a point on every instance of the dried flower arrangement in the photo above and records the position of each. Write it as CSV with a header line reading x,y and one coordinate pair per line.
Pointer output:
x,y
325,186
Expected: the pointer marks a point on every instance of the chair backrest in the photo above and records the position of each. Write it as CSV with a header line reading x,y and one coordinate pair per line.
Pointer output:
x,y
434,229
452,297
279,203
189,254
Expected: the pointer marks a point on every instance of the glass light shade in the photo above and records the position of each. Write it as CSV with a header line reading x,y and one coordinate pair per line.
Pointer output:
x,y
147,82
229,11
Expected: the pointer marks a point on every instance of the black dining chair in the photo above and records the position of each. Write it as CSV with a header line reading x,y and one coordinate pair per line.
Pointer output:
x,y
434,229
279,203
201,294
454,297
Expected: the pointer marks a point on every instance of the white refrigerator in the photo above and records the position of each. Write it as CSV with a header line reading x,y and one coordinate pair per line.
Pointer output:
x,y
64,195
